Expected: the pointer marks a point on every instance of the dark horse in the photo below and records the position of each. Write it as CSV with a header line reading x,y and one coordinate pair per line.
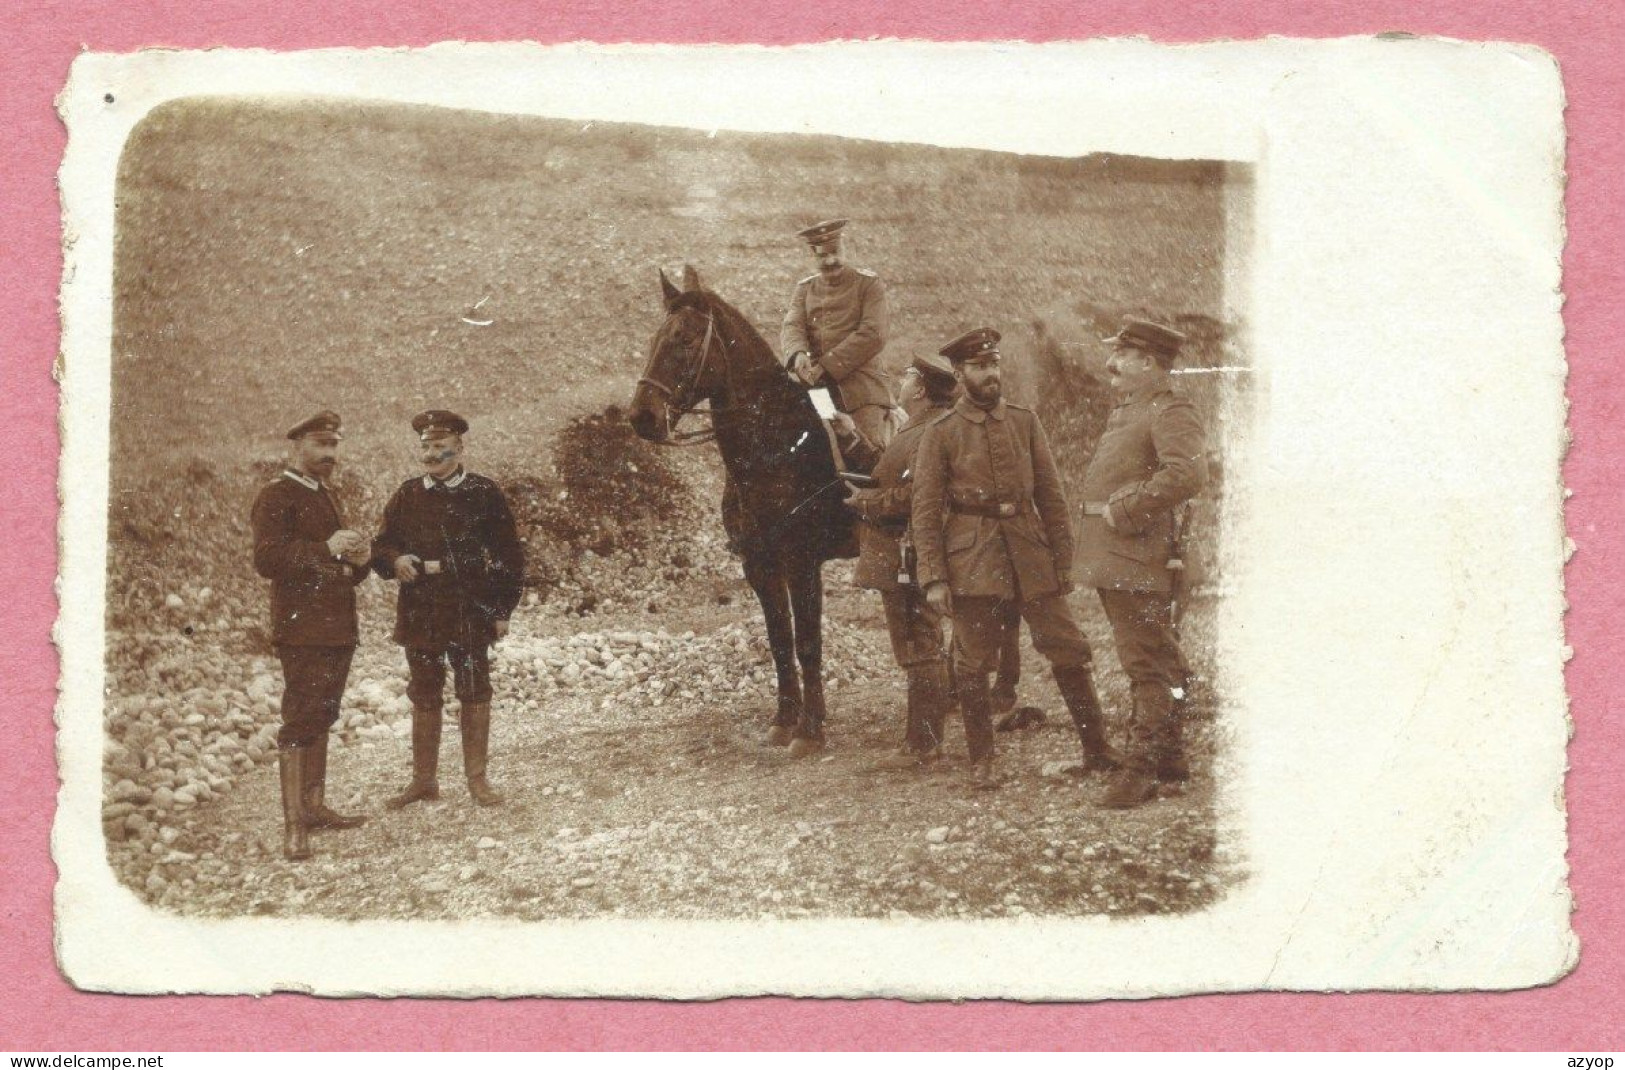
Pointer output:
x,y
782,505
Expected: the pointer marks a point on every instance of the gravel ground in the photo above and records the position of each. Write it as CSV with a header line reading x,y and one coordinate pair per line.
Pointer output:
x,y
636,684
637,786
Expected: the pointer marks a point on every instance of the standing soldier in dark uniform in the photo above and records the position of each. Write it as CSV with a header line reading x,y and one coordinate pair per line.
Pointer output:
x,y
1149,460
835,330
449,539
915,628
990,525
314,563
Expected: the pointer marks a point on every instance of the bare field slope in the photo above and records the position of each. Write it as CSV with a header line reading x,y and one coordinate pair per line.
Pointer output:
x,y
275,257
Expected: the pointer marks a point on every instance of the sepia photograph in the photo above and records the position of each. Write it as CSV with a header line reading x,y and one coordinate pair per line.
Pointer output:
x,y
759,535
666,645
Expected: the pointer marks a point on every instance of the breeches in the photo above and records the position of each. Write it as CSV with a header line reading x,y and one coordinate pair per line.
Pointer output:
x,y
470,671
915,628
1142,630
313,679
982,625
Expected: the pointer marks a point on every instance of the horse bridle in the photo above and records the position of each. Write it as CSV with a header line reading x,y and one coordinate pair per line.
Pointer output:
x,y
696,371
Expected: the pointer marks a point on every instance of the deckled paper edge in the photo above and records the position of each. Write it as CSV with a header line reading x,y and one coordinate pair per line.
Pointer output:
x,y
685,987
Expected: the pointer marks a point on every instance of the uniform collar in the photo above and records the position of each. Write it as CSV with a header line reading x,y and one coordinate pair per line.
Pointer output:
x,y
926,415
455,480
1150,389
302,479
975,413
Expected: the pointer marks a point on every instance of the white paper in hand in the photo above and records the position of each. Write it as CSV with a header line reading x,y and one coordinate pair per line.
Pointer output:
x,y
822,402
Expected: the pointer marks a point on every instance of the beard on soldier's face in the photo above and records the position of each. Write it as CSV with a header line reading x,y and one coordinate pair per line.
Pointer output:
x,y
984,393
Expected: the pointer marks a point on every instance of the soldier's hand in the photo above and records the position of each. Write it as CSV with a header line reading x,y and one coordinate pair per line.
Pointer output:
x,y
501,627
811,372
406,567
359,554
341,542
939,598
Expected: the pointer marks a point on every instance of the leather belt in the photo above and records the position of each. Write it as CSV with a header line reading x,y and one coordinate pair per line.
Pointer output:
x,y
996,510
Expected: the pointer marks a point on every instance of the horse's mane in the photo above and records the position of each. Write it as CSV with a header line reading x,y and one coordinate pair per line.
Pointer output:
x,y
714,303
763,375
760,360
783,481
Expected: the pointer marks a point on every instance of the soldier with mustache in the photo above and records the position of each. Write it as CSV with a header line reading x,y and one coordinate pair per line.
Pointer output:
x,y
449,540
1150,460
314,564
835,331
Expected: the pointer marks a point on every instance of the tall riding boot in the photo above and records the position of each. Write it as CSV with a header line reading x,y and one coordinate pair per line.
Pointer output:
x,y
906,756
935,698
1171,766
911,729
476,726
425,758
926,712
1136,783
1009,674
976,704
295,836
317,815
1077,684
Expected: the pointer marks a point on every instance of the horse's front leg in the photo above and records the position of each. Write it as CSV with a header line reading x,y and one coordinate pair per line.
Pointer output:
x,y
807,600
766,578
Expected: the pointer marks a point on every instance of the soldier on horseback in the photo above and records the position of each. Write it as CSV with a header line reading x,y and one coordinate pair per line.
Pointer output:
x,y
835,331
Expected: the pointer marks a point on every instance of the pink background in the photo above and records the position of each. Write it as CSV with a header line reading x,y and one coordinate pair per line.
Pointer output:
x,y
40,1012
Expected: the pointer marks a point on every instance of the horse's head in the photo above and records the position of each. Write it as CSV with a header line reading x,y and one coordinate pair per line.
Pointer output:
x,y
686,360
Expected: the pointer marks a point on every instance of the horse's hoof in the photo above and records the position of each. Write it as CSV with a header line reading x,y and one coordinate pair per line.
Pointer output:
x,y
779,735
801,746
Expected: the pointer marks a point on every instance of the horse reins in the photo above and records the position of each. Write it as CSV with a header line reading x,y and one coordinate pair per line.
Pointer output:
x,y
675,437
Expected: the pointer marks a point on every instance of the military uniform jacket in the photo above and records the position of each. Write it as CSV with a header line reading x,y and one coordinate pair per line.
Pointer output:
x,y
1149,460
312,592
465,525
885,510
844,326
980,459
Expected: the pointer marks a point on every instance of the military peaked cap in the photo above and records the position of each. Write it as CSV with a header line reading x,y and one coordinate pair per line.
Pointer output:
x,y
972,346
934,366
324,422
1151,337
433,422
822,233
